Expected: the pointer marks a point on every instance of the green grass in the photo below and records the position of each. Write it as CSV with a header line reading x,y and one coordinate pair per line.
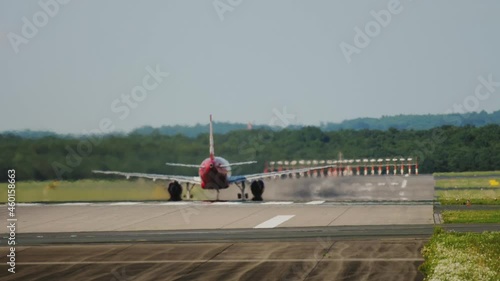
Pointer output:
x,y
456,191
93,190
462,256
471,216
468,182
467,174
476,197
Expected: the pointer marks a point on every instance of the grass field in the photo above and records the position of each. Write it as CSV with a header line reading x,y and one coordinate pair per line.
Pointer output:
x,y
471,216
92,190
468,182
462,256
483,190
460,197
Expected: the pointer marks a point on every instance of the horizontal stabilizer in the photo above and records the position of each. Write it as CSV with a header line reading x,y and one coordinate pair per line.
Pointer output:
x,y
183,165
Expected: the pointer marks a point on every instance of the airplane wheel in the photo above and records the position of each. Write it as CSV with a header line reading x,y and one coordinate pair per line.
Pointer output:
x,y
175,191
239,195
257,188
246,195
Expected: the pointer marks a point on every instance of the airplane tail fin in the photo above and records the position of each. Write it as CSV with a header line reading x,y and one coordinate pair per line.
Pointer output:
x,y
212,153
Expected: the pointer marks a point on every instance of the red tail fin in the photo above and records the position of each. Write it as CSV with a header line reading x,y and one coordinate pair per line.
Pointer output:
x,y
212,153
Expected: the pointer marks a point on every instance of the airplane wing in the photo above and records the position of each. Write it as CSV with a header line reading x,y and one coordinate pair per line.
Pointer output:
x,y
237,179
198,165
154,177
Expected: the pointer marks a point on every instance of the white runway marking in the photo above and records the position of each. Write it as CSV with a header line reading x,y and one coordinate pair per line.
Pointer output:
x,y
74,204
277,220
124,203
277,203
174,203
26,204
315,202
226,203
403,185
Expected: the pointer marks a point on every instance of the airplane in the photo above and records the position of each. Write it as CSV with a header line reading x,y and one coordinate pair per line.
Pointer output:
x,y
214,173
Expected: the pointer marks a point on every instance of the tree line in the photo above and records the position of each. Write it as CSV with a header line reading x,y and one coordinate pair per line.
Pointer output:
x,y
400,122
443,149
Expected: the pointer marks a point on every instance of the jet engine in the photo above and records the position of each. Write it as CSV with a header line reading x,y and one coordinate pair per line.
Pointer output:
x,y
175,191
257,188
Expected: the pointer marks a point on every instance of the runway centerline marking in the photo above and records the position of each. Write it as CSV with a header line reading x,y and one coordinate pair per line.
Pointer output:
x,y
277,220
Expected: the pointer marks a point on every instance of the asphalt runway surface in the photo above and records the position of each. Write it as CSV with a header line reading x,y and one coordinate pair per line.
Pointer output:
x,y
324,253
136,216
350,228
324,259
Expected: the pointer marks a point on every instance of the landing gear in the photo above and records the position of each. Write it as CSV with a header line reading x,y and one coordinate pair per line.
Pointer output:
x,y
189,187
175,191
242,195
257,187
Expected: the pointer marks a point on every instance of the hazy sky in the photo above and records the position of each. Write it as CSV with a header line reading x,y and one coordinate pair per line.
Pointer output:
x,y
69,67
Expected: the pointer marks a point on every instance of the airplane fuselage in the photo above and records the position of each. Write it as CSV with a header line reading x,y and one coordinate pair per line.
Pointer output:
x,y
214,173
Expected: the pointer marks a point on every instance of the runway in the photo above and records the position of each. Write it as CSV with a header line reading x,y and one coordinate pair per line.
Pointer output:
x,y
206,215
371,200
352,228
323,253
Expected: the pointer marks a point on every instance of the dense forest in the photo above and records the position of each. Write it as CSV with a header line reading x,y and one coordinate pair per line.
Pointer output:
x,y
442,149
